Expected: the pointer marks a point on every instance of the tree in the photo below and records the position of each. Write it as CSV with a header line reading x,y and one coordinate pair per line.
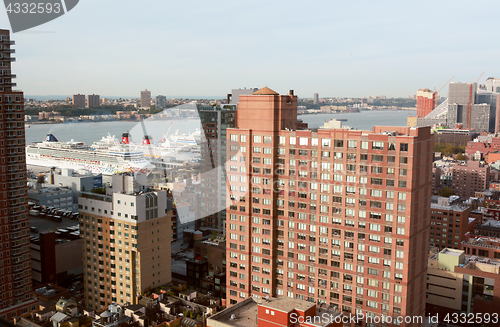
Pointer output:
x,y
460,156
447,192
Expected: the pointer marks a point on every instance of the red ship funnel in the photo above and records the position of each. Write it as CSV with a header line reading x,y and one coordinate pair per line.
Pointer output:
x,y
147,140
125,138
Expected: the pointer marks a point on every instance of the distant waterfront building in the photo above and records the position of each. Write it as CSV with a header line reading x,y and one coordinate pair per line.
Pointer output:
x,y
316,98
426,102
79,100
145,101
16,293
161,102
234,97
468,106
130,227
93,100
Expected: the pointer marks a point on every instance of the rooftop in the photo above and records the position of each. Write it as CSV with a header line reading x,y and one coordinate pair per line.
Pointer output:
x,y
287,304
265,91
451,252
245,313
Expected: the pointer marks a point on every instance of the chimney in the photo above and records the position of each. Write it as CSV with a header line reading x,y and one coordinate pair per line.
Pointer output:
x,y
290,92
125,138
52,176
146,140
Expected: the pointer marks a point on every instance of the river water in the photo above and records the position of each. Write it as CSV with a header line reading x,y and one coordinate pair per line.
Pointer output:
x,y
89,132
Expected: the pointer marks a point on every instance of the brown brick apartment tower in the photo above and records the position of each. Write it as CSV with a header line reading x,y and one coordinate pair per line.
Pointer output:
x,y
338,217
16,293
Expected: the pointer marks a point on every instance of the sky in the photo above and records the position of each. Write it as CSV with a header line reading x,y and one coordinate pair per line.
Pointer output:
x,y
207,48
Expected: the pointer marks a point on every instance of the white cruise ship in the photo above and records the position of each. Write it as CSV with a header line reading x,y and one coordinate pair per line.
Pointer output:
x,y
77,155
169,152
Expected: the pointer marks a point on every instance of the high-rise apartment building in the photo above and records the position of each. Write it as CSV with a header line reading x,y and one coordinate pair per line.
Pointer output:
x,y
426,102
449,223
337,216
316,98
215,121
79,100
93,100
469,178
126,242
145,99
16,293
161,102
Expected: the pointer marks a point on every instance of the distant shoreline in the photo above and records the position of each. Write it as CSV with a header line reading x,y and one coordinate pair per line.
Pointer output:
x,y
103,120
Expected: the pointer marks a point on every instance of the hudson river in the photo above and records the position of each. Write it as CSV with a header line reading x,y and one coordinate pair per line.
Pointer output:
x,y
89,132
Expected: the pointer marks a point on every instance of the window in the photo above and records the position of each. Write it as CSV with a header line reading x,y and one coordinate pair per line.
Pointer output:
x,y
378,145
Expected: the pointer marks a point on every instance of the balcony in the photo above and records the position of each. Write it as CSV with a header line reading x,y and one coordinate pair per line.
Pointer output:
x,y
11,59
10,42
10,84
8,50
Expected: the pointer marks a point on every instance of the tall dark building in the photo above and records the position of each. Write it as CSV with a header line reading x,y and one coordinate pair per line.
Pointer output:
x,y
16,293
215,121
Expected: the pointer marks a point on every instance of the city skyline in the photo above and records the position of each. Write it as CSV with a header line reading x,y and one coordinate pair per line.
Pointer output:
x,y
335,49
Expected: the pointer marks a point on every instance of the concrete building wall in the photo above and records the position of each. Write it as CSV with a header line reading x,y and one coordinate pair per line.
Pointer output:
x,y
444,287
235,93
56,197
462,93
132,233
69,257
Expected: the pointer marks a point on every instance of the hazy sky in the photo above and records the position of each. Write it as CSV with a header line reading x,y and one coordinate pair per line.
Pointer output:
x,y
206,48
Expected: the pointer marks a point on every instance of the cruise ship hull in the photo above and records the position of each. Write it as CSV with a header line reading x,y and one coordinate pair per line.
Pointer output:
x,y
94,167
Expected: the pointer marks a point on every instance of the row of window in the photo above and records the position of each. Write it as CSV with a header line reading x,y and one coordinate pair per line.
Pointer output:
x,y
351,144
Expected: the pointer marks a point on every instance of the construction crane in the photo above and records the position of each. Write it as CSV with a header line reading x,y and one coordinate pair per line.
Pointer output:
x,y
437,92
480,77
